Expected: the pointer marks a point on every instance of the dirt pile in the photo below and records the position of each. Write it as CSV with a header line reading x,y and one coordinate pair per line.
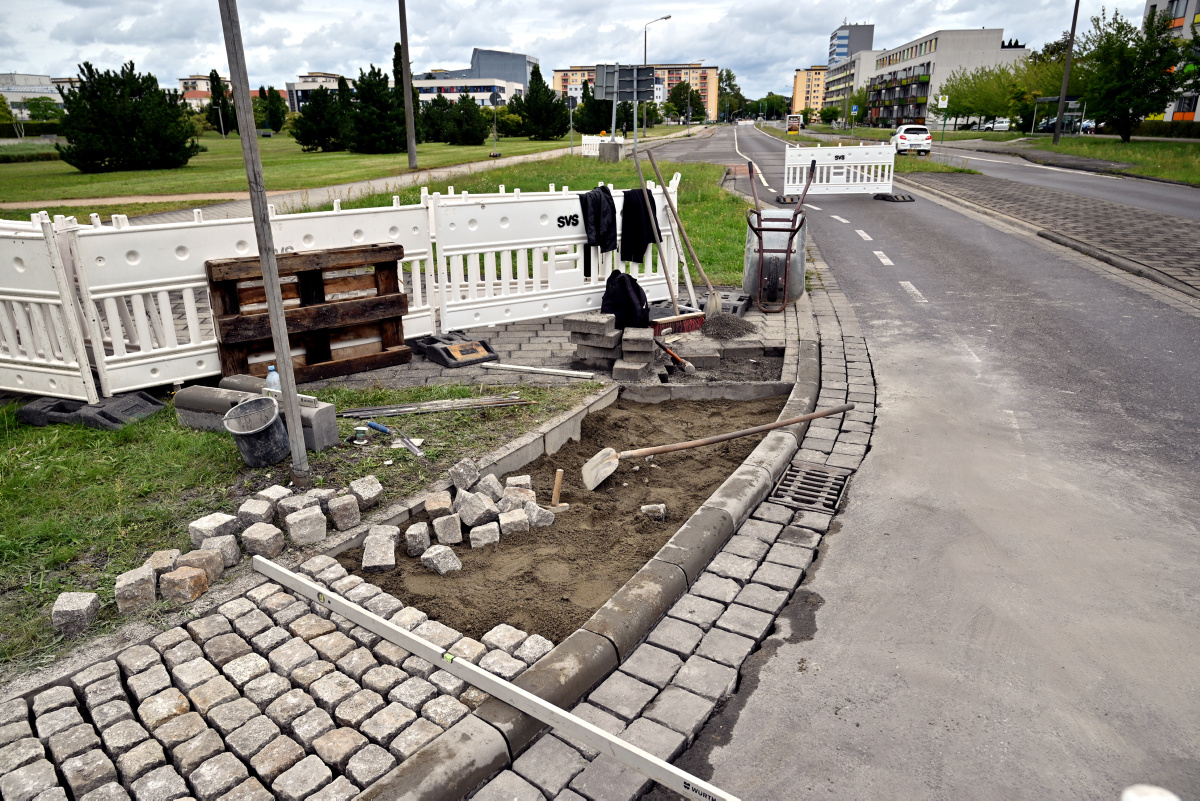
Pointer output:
x,y
727,326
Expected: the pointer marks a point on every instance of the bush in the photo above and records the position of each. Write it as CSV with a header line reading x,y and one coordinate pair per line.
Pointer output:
x,y
123,121
15,158
319,125
466,124
1178,129
39,128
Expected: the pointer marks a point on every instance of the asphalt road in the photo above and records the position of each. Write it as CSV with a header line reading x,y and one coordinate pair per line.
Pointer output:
x,y
1006,606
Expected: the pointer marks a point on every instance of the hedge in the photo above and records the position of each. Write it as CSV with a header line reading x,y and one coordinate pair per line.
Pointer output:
x,y
13,158
34,128
1179,129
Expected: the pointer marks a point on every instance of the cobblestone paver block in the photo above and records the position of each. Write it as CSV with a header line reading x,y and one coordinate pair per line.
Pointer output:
x,y
448,529
311,725
549,765
344,512
302,780
368,490
217,776
276,758
87,772
444,711
74,611
414,738
383,678
180,729
306,526
382,727
28,782
217,524
622,695
136,589
263,539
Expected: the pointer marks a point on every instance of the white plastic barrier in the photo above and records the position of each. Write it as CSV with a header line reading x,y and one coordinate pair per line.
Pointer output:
x,y
591,144
520,257
42,351
840,170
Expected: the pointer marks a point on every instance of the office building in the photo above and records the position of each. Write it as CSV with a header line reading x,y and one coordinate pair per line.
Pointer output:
x,y
17,87
1183,14
496,66
480,89
848,40
569,82
904,80
304,85
808,89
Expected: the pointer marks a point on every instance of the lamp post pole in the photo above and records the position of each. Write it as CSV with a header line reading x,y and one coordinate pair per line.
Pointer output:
x,y
645,62
406,75
1062,96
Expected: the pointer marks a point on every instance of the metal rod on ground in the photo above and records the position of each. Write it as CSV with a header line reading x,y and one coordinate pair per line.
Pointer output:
x,y
522,368
428,408
648,765
410,124
713,306
240,83
637,162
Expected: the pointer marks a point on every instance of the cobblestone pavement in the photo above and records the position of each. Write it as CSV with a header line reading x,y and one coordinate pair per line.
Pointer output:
x,y
1156,240
266,693
665,692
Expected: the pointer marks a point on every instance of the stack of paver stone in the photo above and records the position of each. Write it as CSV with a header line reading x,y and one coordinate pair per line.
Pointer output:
x,y
637,355
183,577
268,697
482,507
596,338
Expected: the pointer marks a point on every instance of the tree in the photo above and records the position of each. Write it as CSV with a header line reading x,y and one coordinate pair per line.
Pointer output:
x,y
681,95
378,127
221,114
43,109
276,109
435,119
592,116
772,106
123,121
730,100
5,112
319,124
810,115
858,98
467,124
546,115
345,104
509,124
830,113
1129,73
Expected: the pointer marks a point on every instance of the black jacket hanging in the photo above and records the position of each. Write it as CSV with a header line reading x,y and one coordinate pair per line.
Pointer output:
x,y
600,223
637,232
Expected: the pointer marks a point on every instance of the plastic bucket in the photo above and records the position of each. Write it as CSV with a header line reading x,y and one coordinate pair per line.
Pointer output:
x,y
258,431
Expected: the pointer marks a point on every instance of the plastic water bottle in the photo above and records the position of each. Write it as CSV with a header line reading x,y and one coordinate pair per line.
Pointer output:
x,y
273,379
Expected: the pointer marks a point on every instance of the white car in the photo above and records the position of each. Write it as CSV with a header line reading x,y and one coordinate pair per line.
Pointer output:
x,y
912,139
1001,124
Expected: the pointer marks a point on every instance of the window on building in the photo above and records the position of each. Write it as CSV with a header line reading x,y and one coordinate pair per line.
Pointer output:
x,y
1186,104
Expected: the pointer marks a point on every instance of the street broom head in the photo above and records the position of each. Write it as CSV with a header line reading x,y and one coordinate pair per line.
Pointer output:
x,y
678,324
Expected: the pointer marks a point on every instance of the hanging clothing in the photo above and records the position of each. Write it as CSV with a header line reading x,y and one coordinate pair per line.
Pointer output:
x,y
600,223
638,232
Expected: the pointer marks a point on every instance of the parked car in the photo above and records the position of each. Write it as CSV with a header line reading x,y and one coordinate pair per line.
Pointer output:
x,y
1000,124
1088,127
912,139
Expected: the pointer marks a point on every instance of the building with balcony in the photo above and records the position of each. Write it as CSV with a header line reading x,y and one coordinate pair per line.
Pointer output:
x,y
904,79
808,89
844,79
569,82
1182,13
848,40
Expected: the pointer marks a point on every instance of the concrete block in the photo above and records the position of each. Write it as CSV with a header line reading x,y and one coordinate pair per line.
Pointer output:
x,y
610,340
162,561
625,370
746,547
549,765
693,546
633,609
73,612
593,353
733,567
790,556
441,559
762,598
698,611
211,562
774,453
183,585
306,526
742,492
748,622
483,535
725,647
799,537
227,546
638,339
598,718
608,778
762,530
703,354
676,636
778,576
508,786
368,490
590,323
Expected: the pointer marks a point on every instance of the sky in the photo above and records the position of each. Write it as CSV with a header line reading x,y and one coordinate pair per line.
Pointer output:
x,y
763,41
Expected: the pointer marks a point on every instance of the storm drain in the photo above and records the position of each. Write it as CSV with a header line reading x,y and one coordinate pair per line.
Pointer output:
x,y
811,486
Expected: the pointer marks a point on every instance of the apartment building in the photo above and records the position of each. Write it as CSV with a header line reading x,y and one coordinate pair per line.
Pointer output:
x,y
847,77
903,80
808,89
848,40
304,85
1183,13
569,82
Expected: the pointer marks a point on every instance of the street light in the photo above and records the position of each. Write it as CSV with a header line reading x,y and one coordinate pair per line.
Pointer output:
x,y
645,62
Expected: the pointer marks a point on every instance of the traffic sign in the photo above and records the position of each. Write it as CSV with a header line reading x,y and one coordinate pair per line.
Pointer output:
x,y
943,101
854,109
626,82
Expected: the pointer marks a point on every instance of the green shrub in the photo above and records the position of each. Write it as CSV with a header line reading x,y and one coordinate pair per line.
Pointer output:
x,y
15,158
1177,129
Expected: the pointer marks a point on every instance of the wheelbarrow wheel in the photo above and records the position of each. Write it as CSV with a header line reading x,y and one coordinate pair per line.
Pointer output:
x,y
772,280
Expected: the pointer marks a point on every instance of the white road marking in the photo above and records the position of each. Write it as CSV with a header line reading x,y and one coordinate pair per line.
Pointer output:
x,y
743,155
882,256
961,343
866,237
811,206
976,158
912,290
839,219
1012,422
1038,166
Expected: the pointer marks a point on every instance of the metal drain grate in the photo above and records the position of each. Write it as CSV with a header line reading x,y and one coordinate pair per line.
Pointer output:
x,y
807,485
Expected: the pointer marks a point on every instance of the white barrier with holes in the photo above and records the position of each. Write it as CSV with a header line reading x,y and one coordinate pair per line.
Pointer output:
x,y
591,144
41,345
840,170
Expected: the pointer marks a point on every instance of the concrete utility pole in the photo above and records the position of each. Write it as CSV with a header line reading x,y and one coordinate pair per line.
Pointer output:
x,y
1062,96
240,83
645,62
406,76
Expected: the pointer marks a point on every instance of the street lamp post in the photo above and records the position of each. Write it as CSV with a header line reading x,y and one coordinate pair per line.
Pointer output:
x,y
645,62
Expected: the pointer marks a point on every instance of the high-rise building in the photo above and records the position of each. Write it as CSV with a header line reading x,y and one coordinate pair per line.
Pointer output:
x,y
1183,14
569,82
808,89
848,40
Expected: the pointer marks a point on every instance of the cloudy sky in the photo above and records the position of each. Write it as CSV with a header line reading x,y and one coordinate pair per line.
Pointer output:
x,y
763,41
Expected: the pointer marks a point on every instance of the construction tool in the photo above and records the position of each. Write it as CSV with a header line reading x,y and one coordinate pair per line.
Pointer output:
x,y
429,407
671,288
602,465
771,235
401,437
712,306
683,363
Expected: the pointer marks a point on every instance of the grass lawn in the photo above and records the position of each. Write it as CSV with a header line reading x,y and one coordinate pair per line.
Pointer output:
x,y
1175,161
715,219
78,506
105,210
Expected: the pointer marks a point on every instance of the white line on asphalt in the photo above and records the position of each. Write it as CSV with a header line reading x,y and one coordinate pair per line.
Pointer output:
x,y
912,290
963,345
811,206
993,161
1038,166
839,219
883,257
747,158
866,237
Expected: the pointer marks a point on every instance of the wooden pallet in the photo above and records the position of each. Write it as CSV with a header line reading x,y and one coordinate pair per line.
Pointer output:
x,y
339,337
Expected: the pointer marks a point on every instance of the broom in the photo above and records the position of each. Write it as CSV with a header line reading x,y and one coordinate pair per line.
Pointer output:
x,y
712,306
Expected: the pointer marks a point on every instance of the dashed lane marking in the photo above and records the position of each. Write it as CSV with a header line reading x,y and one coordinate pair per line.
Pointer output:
x,y
866,237
883,258
839,219
811,206
912,290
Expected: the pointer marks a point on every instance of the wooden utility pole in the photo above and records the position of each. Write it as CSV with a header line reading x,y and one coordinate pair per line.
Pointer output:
x,y
406,76
240,83
1062,96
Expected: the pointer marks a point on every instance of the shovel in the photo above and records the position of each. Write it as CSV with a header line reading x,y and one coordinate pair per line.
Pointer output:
x,y
602,465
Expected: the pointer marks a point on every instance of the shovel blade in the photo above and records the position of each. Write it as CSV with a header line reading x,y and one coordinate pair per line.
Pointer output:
x,y
600,467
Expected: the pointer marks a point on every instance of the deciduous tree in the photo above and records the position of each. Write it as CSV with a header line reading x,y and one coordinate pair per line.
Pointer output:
x,y
43,109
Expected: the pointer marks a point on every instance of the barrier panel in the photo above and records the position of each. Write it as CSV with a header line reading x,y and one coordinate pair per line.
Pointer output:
x,y
42,351
591,144
840,170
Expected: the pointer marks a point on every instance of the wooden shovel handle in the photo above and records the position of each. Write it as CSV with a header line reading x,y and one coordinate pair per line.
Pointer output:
x,y
696,443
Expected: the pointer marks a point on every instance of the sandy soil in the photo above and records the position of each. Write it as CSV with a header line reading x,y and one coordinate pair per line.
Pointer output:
x,y
551,580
